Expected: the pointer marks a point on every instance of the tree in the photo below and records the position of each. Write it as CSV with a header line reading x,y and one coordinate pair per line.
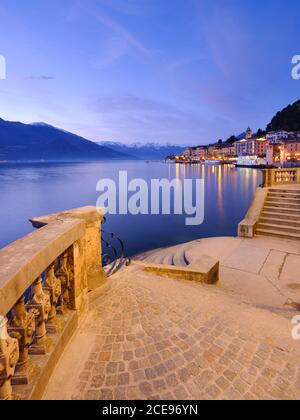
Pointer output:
x,y
288,119
260,133
231,140
220,141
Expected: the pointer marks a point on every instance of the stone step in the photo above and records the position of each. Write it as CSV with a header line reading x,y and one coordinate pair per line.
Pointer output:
x,y
283,200
279,228
280,221
286,210
275,233
286,196
168,259
157,256
179,258
285,191
282,204
282,216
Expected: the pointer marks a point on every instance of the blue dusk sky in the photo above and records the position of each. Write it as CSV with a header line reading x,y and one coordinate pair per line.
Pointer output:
x,y
168,71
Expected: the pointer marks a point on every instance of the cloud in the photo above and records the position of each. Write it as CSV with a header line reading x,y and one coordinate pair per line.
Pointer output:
x,y
129,7
184,62
114,49
129,117
120,30
44,78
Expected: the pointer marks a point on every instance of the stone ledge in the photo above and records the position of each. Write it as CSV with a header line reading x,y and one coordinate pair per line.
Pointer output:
x,y
24,260
204,270
89,214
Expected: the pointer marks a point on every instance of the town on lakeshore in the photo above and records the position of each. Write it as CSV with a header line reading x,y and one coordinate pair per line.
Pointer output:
x,y
274,148
144,266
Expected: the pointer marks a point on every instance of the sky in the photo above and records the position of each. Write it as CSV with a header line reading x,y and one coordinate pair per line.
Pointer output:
x,y
183,72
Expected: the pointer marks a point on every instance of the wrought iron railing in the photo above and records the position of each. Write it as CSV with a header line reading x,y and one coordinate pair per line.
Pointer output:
x,y
113,252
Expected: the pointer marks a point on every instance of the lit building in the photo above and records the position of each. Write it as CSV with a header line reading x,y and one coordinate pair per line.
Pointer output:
x,y
278,136
281,153
251,147
189,151
227,151
201,152
196,153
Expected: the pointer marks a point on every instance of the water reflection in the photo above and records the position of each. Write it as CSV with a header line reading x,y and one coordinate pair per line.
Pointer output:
x,y
31,190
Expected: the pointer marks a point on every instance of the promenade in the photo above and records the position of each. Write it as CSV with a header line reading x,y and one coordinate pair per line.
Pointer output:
x,y
151,337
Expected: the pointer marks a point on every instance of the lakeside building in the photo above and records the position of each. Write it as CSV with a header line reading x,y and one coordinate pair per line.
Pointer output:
x,y
278,147
257,147
251,146
278,136
283,152
196,153
213,151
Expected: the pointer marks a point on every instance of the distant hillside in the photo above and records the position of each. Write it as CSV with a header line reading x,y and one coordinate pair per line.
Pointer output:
x,y
147,151
36,142
288,119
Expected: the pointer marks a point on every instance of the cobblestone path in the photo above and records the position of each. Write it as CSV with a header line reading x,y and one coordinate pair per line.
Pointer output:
x,y
147,337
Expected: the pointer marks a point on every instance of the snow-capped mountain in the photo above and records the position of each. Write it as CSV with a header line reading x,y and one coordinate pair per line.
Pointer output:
x,y
147,151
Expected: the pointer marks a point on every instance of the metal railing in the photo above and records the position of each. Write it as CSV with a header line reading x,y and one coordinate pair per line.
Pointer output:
x,y
113,252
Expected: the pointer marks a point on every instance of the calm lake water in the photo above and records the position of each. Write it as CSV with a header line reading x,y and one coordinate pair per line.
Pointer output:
x,y
28,190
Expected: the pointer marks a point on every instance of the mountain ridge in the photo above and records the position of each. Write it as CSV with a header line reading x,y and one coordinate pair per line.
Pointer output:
x,y
43,142
145,151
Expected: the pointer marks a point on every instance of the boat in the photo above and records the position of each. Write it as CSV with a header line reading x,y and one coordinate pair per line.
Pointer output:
x,y
251,162
213,162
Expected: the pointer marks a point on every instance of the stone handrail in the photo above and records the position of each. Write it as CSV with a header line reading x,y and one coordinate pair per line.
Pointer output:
x,y
45,278
277,177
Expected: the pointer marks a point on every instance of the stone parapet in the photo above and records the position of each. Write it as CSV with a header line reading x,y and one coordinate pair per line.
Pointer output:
x,y
279,177
45,279
91,242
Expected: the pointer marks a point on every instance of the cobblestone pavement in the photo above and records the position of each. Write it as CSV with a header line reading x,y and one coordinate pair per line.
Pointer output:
x,y
147,337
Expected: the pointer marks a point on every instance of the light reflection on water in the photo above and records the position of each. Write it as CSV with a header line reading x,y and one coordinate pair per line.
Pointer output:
x,y
29,190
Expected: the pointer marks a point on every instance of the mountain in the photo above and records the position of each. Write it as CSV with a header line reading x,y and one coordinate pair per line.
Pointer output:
x,y
147,151
39,141
288,119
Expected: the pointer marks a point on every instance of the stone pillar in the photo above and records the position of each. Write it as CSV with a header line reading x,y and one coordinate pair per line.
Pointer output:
x,y
22,327
40,305
9,355
283,154
79,279
270,154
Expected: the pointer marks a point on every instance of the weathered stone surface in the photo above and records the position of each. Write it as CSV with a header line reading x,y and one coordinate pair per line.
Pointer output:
x,y
204,270
92,238
189,341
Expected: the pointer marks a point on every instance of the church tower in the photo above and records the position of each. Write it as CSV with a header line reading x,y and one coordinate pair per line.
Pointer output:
x,y
249,134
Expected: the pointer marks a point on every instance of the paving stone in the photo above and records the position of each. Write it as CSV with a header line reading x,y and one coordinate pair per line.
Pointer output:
x,y
151,342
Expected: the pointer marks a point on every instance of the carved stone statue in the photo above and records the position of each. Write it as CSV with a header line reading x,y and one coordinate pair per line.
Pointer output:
x,y
22,328
9,355
40,304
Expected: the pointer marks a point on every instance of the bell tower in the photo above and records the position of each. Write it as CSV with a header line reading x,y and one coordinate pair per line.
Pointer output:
x,y
249,133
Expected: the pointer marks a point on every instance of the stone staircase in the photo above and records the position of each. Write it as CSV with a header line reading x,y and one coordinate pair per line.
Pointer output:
x,y
175,256
281,214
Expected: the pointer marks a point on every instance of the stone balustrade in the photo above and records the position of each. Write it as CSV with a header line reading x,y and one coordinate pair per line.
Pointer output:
x,y
277,177
45,278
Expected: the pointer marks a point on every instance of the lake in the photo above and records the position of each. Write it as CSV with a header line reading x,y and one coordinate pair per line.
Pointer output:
x,y
28,190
